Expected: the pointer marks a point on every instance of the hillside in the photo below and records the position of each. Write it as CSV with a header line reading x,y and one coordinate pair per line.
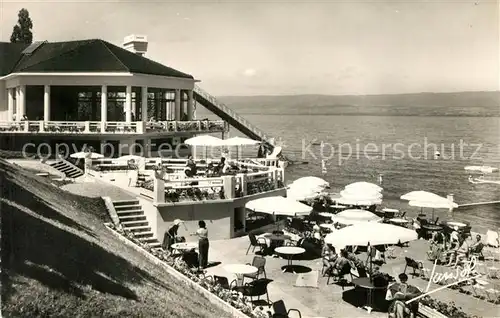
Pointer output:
x,y
421,104
59,260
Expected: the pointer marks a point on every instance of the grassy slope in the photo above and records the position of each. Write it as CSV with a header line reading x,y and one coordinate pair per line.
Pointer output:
x,y
58,260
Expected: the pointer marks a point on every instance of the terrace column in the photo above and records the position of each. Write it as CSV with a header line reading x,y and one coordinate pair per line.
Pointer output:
x,y
104,107
190,104
144,103
21,101
46,103
159,187
177,104
128,104
10,105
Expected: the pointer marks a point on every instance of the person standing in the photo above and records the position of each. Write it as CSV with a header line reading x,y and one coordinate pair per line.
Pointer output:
x,y
170,235
203,244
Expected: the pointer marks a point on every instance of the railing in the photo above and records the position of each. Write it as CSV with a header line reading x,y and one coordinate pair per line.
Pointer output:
x,y
179,188
183,126
233,114
111,127
261,182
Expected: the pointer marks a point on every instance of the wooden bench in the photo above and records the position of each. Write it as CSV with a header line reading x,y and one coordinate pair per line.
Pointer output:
x,y
427,312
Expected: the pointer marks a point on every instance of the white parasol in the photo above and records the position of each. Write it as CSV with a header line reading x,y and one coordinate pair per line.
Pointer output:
x,y
240,141
422,196
279,206
359,201
310,182
360,194
301,194
90,155
204,140
370,234
436,204
355,216
364,186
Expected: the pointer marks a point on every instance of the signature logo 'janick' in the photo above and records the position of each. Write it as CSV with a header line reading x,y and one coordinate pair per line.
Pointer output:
x,y
459,275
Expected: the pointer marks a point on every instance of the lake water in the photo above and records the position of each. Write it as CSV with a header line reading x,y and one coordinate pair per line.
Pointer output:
x,y
396,150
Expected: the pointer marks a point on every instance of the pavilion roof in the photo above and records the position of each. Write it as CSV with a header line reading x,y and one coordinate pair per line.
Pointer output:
x,y
87,56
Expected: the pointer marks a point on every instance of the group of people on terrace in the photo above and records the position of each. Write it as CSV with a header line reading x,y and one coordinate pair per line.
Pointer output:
x,y
454,247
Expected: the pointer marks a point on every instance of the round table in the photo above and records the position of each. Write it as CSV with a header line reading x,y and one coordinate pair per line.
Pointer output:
x,y
457,224
289,251
186,246
239,270
432,227
366,283
399,221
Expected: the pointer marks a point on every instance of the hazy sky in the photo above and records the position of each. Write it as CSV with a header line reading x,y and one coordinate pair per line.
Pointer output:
x,y
293,47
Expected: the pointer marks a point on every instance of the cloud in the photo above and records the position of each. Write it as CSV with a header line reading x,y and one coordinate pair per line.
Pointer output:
x,y
249,72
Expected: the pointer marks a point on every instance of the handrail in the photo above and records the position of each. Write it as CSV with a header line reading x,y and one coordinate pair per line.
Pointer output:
x,y
232,113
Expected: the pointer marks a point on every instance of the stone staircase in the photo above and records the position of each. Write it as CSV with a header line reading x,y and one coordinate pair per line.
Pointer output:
x,y
132,218
66,167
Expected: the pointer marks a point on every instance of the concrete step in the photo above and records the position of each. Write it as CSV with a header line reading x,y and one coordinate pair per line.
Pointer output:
x,y
125,202
138,228
135,223
126,218
144,234
155,245
148,239
130,213
127,207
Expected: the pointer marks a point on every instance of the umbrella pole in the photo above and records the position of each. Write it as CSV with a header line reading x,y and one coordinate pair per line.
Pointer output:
x,y
370,258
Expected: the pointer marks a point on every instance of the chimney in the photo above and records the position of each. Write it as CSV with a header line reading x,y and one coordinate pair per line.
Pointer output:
x,y
137,44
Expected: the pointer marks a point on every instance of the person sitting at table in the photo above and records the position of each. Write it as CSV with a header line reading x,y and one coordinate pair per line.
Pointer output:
x,y
223,166
340,262
191,167
328,256
398,294
170,236
459,253
437,247
477,246
455,238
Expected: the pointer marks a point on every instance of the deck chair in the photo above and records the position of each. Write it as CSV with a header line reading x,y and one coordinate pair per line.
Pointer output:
x,y
223,281
415,265
280,310
346,270
256,242
260,263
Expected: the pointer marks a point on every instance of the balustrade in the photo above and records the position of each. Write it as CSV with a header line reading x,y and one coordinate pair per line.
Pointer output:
x,y
110,127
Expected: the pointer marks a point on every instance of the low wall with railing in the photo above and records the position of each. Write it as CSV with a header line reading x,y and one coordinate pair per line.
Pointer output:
x,y
111,127
171,185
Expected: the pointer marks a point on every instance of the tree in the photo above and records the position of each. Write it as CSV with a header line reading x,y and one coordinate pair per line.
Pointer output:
x,y
22,30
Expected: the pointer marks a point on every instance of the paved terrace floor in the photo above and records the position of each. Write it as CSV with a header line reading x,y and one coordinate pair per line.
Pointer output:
x,y
326,301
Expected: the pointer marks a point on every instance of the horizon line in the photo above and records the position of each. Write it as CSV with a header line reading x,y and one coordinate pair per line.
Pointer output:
x,y
358,95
